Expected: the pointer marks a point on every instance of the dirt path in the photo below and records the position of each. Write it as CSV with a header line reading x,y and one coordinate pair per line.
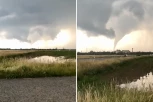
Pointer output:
x,y
54,89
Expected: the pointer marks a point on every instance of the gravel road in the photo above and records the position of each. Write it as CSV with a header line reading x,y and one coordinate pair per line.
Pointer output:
x,y
53,89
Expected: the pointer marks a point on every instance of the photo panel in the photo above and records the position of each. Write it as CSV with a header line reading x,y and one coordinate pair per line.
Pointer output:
x,y
114,50
37,50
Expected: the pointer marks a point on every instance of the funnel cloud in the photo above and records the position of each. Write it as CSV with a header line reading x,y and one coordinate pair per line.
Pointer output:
x,y
115,19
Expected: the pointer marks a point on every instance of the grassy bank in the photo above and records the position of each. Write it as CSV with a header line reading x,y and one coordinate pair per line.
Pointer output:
x,y
17,65
110,93
22,68
95,79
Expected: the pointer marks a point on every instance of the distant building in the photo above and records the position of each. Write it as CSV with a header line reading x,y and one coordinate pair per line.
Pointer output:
x,y
126,51
122,51
91,52
118,51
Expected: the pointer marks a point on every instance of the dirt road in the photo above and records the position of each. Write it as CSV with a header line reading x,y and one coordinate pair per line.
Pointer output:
x,y
53,89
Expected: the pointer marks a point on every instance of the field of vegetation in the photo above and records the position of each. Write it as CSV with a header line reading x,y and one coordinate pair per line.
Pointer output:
x,y
97,56
16,64
98,80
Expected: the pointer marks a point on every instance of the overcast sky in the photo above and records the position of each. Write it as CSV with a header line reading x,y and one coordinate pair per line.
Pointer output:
x,y
107,25
37,23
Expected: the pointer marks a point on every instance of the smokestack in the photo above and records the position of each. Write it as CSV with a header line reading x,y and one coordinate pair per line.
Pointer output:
x,y
132,49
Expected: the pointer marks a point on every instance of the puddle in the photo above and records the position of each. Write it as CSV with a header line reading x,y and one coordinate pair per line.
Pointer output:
x,y
51,59
144,83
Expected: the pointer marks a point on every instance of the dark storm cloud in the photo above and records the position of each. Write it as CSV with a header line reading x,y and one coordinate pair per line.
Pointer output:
x,y
17,17
134,6
93,15
3,12
112,18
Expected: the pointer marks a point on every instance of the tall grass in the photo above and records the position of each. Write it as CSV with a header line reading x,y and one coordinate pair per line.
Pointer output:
x,y
15,64
111,93
21,67
95,79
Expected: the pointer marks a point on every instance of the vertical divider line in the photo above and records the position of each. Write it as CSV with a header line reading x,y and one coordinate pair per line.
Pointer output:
x,y
76,50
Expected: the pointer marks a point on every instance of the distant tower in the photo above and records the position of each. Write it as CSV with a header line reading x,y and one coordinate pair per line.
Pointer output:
x,y
132,49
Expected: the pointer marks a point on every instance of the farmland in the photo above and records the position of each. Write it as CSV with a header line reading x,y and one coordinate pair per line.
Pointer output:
x,y
17,64
98,80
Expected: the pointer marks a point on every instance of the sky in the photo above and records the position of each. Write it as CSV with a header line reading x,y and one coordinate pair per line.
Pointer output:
x,y
38,24
108,25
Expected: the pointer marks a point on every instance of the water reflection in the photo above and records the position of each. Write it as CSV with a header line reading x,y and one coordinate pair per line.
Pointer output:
x,y
144,83
51,59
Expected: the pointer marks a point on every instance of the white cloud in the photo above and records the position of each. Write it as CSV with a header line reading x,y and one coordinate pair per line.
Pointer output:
x,y
98,43
62,40
38,21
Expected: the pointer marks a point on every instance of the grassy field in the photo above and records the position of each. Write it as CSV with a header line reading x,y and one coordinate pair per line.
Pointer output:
x,y
97,80
16,64
14,52
97,56
35,53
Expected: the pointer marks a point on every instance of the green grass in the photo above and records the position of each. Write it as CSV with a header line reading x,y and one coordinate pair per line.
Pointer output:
x,y
36,53
14,52
110,93
16,64
95,79
21,68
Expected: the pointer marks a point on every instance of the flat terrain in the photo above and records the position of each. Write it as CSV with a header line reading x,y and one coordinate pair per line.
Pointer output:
x,y
53,89
98,79
97,56
18,64
14,52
